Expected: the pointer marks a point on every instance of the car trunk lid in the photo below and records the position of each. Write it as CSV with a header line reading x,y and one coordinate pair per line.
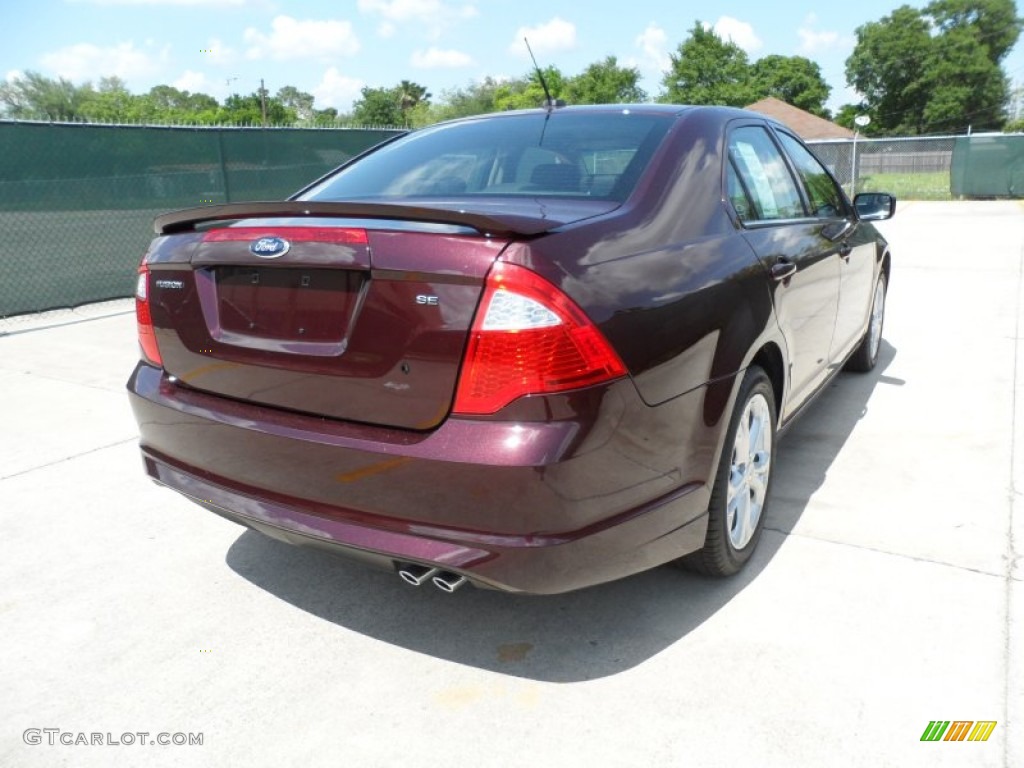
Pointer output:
x,y
348,311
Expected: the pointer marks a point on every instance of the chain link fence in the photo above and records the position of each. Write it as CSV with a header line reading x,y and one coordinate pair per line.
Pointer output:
x,y
77,201
911,169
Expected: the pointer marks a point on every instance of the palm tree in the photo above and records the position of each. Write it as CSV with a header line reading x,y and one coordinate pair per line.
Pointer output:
x,y
409,95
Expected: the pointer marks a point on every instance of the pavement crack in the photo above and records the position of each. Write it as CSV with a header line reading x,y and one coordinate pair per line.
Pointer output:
x,y
62,380
1012,557
54,463
63,323
876,550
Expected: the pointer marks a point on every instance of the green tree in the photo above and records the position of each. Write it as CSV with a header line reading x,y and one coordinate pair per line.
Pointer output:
x,y
111,102
527,92
248,110
378,106
995,22
885,68
512,94
298,101
605,82
705,69
327,115
203,108
33,96
793,79
410,96
966,88
420,115
168,100
937,69
404,104
167,104
846,116
474,99
1015,109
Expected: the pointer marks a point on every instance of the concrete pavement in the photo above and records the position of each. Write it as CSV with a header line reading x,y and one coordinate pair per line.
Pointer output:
x,y
886,592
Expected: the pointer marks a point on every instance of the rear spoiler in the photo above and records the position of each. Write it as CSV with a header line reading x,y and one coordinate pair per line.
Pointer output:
x,y
499,225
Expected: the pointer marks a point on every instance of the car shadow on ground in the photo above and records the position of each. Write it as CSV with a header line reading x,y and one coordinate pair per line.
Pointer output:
x,y
583,635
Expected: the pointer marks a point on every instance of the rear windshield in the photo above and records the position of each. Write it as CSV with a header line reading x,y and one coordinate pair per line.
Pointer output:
x,y
594,155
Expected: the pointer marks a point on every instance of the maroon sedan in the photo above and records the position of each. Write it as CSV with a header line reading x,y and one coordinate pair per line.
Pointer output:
x,y
533,351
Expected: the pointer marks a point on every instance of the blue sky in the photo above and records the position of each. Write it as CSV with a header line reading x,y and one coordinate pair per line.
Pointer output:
x,y
332,49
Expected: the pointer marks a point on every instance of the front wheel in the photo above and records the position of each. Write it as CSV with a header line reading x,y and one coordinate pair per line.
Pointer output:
x,y
866,355
740,493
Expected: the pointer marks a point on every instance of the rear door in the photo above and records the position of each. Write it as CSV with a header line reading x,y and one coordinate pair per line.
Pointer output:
x,y
789,242
856,253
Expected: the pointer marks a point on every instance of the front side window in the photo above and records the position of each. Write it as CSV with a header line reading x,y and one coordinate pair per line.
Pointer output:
x,y
561,154
763,188
826,199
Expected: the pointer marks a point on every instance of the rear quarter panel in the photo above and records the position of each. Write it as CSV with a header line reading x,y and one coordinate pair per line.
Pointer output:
x,y
668,278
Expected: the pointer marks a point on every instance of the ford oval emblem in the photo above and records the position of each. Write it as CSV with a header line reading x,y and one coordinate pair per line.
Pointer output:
x,y
269,247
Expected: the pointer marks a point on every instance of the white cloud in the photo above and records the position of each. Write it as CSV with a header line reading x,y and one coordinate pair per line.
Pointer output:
x,y
193,3
814,41
85,61
216,52
14,74
417,10
191,80
308,39
431,17
653,41
336,90
738,32
847,95
435,58
198,82
556,35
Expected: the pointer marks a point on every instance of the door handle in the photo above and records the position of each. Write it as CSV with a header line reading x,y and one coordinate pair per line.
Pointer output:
x,y
782,270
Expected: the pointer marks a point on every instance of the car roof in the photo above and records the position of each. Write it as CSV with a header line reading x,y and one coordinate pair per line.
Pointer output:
x,y
721,113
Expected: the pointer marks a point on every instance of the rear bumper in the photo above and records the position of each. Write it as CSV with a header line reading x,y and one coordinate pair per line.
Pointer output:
x,y
541,507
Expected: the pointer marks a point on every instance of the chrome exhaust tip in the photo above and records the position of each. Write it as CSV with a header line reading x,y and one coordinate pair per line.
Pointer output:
x,y
416,574
449,582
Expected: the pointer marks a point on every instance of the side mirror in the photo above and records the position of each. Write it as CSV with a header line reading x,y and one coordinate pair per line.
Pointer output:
x,y
875,206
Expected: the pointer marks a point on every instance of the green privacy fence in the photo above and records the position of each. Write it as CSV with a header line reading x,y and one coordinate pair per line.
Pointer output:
x,y
988,167
77,201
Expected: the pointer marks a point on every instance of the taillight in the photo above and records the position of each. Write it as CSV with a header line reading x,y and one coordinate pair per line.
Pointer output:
x,y
529,338
147,338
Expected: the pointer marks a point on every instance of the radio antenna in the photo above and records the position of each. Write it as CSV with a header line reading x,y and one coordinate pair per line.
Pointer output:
x,y
549,103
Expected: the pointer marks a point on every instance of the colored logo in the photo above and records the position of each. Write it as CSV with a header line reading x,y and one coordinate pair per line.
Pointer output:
x,y
269,247
959,730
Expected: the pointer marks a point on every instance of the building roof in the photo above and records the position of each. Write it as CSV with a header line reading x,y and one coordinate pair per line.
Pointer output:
x,y
804,124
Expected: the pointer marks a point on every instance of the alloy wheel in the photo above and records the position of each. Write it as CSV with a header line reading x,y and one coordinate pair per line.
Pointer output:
x,y
877,317
749,471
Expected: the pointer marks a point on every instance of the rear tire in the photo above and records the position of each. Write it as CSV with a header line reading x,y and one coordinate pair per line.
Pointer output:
x,y
739,496
865,356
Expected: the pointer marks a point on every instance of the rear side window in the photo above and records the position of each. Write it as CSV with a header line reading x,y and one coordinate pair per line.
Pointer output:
x,y
562,154
760,185
822,191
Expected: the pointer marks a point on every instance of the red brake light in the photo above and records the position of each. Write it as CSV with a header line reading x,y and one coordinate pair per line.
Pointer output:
x,y
337,235
529,338
147,337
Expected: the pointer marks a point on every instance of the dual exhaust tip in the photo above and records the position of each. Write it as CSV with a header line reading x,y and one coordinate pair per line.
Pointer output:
x,y
418,574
